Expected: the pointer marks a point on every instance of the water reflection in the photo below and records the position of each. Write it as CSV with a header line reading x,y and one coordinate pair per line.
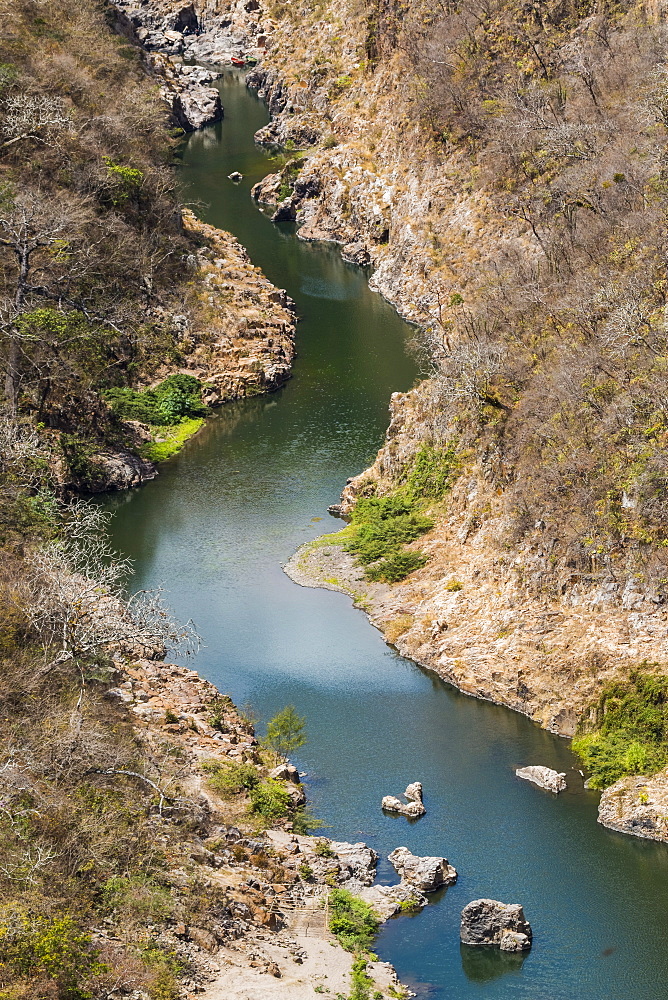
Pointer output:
x,y
482,965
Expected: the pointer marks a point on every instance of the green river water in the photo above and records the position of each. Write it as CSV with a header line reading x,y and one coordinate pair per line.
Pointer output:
x,y
215,529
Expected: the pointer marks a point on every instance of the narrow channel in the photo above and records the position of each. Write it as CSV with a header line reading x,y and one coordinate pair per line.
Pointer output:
x,y
216,527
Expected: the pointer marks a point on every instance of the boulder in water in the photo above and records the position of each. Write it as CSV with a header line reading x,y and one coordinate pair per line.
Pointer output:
x,y
544,777
411,809
426,874
489,922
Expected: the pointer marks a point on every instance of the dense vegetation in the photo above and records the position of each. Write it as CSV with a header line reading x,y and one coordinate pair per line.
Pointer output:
x,y
352,921
551,354
91,244
381,526
628,733
90,250
174,398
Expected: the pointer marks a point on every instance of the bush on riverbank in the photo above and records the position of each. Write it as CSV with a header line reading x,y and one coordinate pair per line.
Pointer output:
x,y
352,921
176,397
382,526
631,729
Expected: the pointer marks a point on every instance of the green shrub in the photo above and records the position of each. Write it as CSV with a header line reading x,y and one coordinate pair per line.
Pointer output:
x,y
231,778
138,898
361,981
52,948
396,567
285,732
432,472
352,921
383,524
304,822
322,849
178,396
270,799
631,729
380,527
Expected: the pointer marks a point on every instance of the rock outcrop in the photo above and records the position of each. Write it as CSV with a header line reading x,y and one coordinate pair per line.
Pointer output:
x,y
246,346
637,805
413,808
193,102
489,922
427,874
544,777
390,803
414,791
286,772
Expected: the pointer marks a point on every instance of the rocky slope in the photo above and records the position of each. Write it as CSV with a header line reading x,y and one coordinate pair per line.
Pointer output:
x,y
504,611
272,934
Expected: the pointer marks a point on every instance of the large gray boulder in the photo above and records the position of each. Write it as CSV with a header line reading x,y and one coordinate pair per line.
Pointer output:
x,y
544,777
426,874
489,922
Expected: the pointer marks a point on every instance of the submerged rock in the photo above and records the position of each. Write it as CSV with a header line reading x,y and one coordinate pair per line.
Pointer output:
x,y
489,922
426,874
235,177
544,777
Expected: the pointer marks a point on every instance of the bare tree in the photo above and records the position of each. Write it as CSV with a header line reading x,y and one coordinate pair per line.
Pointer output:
x,y
37,231
468,370
33,116
77,596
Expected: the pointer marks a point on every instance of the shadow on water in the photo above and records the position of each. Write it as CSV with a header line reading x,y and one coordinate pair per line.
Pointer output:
x,y
482,965
217,526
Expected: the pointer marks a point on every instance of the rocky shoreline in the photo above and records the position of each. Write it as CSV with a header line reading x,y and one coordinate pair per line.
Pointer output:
x,y
273,934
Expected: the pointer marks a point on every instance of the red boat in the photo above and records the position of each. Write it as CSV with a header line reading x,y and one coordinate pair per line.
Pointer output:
x,y
238,61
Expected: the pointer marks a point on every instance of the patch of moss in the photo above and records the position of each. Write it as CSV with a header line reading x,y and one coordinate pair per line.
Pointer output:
x,y
173,439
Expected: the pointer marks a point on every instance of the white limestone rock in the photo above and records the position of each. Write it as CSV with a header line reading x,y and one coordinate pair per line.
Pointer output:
x,y
411,809
426,874
544,777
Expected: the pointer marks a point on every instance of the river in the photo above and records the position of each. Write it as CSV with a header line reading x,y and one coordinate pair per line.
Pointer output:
x,y
215,529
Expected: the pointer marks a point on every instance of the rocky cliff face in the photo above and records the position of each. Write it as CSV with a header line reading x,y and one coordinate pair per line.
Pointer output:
x,y
237,334
505,614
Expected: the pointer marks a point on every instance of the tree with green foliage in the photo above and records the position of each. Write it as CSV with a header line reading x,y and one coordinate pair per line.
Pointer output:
x,y
285,732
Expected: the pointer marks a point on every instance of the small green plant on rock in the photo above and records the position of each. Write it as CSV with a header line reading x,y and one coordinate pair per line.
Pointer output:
x,y
270,799
230,778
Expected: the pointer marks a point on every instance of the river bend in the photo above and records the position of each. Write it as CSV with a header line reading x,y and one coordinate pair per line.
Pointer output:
x,y
215,528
